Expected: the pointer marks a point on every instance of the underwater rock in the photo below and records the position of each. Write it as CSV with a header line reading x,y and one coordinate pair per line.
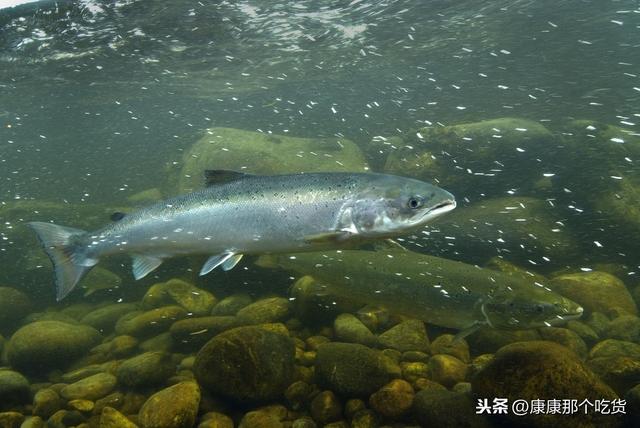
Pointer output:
x,y
230,305
46,402
263,311
215,420
304,422
118,347
595,291
14,305
615,348
298,395
90,388
448,344
104,319
48,316
65,418
326,408
111,418
501,153
632,397
44,345
14,388
83,372
542,370
365,419
348,328
412,371
11,419
176,291
260,153
565,337
83,406
625,327
488,340
197,331
409,335
149,368
588,335
447,370
33,422
264,417
173,407
145,197
517,227
99,279
446,409
393,400
246,364
620,373
149,323
163,342
353,370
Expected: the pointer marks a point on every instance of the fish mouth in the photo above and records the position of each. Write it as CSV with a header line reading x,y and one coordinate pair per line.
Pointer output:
x,y
443,207
567,317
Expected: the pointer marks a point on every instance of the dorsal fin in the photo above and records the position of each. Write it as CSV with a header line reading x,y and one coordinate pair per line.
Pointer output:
x,y
221,176
117,216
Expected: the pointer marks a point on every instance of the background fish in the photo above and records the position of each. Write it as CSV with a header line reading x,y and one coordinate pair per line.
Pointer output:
x,y
436,290
241,214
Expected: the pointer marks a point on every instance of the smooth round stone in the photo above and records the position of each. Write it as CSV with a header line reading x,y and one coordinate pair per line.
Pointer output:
x,y
118,347
263,311
150,323
394,399
11,419
350,329
447,409
304,422
163,342
264,417
200,330
176,291
111,418
84,406
298,394
615,348
246,363
216,420
14,305
229,306
14,388
625,327
326,408
173,407
90,388
65,418
447,370
33,422
365,419
565,337
105,318
82,373
149,368
44,345
448,344
410,335
353,406
46,402
353,370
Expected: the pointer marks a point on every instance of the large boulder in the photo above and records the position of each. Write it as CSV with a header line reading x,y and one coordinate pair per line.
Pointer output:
x,y
14,388
246,364
260,153
545,371
173,407
44,345
14,305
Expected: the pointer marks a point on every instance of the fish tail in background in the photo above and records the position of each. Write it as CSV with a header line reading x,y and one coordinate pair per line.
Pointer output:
x,y
69,261
268,261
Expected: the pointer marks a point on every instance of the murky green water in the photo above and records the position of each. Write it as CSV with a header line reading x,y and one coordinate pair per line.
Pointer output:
x,y
526,111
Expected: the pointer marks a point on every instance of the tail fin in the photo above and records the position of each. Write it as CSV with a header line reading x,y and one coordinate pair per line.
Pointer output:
x,y
69,262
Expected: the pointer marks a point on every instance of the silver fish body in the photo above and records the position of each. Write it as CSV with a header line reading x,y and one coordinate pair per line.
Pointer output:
x,y
433,289
241,214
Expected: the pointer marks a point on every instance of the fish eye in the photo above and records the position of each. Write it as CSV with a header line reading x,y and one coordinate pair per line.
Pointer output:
x,y
414,202
539,309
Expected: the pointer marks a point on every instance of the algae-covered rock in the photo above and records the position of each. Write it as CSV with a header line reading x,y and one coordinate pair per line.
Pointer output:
x,y
449,345
198,331
446,409
409,335
246,364
46,402
90,388
150,322
173,407
624,327
105,318
267,310
352,369
14,305
215,420
149,368
520,228
176,291
393,399
230,305
350,329
43,345
565,337
617,362
489,340
11,419
99,279
111,418
499,153
326,408
542,370
447,370
14,388
259,153
595,291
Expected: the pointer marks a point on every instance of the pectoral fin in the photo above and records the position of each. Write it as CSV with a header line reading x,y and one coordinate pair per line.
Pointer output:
x,y
144,265
231,262
467,331
217,260
328,237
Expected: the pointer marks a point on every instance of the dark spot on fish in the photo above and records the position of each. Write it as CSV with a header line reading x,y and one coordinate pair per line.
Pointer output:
x,y
117,216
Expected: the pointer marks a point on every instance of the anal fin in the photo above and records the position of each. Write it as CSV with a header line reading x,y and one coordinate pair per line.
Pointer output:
x,y
144,265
